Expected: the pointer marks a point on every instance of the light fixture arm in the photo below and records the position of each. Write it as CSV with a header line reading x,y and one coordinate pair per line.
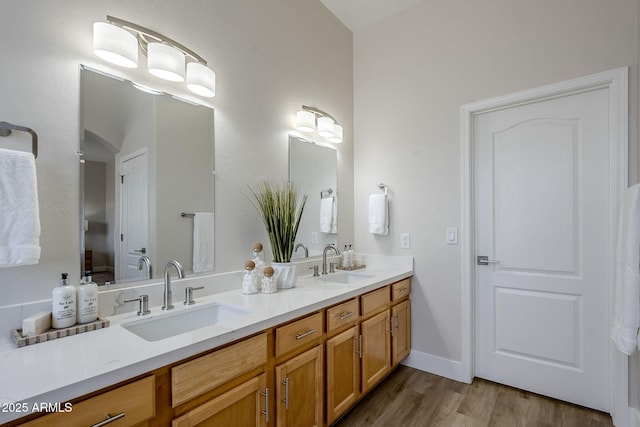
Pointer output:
x,y
318,112
144,33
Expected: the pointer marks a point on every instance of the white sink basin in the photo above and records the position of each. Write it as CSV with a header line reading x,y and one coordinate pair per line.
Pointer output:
x,y
346,278
164,326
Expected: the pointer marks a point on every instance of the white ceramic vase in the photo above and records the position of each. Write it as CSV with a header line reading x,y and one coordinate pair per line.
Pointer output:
x,y
284,274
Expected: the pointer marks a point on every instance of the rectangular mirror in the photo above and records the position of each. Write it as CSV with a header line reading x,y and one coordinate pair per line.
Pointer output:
x,y
313,168
147,158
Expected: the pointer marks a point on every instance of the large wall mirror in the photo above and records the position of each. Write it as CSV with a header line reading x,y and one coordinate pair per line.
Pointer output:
x,y
147,159
313,168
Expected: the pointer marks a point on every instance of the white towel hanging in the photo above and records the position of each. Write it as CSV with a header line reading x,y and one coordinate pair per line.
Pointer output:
x,y
203,238
626,316
19,211
378,214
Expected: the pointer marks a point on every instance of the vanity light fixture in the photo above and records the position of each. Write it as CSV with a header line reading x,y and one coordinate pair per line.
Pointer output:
x,y
117,41
309,117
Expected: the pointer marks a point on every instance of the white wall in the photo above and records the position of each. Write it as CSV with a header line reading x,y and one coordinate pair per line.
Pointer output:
x,y
412,72
269,57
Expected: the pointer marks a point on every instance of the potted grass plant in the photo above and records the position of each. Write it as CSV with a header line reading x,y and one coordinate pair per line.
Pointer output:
x,y
280,208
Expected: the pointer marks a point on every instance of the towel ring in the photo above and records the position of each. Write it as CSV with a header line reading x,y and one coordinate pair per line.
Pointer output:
x,y
6,129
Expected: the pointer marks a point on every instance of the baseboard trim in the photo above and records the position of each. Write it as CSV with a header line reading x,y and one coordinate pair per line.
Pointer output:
x,y
437,365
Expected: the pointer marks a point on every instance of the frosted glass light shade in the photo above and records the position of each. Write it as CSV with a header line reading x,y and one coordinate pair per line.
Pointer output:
x,y
337,134
325,126
115,44
201,79
166,62
305,121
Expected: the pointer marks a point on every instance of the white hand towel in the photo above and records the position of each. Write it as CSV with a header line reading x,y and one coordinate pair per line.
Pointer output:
x,y
378,214
203,242
328,215
19,212
626,316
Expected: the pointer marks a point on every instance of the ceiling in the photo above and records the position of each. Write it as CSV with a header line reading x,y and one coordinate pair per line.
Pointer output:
x,y
358,14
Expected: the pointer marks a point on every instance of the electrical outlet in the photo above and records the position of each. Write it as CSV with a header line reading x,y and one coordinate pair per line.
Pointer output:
x,y
405,241
314,237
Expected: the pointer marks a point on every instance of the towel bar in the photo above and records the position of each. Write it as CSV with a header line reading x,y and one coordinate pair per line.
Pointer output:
x,y
8,127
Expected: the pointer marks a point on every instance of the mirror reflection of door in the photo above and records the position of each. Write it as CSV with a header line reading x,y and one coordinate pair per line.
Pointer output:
x,y
134,216
118,123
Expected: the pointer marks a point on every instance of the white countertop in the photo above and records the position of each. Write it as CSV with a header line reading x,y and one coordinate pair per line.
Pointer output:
x,y
66,368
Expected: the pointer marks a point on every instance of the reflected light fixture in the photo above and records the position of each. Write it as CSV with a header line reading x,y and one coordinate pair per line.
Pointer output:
x,y
118,41
309,117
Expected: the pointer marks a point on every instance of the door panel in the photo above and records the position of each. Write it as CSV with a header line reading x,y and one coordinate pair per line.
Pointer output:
x,y
542,189
134,207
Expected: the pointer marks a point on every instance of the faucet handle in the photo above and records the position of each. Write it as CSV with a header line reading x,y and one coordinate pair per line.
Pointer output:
x,y
332,267
315,270
188,294
144,304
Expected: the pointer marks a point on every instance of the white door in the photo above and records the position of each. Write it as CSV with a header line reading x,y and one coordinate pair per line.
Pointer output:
x,y
134,214
542,218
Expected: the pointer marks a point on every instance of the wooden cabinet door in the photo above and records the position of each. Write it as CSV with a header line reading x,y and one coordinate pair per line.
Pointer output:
x,y
240,406
299,390
343,368
400,331
376,349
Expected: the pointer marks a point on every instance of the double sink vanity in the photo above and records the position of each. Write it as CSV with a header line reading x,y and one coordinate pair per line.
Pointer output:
x,y
301,356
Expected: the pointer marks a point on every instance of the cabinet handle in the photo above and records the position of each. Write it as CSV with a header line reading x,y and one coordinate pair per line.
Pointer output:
x,y
306,333
346,315
285,383
110,419
360,346
266,405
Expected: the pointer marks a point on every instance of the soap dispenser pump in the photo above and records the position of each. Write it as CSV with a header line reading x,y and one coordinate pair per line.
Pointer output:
x,y
63,314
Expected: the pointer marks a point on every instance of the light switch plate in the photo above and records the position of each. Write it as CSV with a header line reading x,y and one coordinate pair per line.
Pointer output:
x,y
314,237
405,241
452,235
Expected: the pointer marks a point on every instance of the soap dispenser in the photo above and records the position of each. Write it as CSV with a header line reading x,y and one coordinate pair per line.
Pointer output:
x,y
63,314
87,300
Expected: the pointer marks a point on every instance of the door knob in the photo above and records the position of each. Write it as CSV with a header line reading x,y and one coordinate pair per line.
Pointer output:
x,y
484,260
141,250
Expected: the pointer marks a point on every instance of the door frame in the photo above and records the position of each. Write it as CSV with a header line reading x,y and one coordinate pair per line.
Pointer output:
x,y
616,82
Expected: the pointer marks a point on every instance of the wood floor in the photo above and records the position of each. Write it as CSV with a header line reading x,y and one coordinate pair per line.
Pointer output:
x,y
409,397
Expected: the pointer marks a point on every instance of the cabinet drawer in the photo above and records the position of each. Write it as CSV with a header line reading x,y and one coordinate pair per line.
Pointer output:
x,y
375,301
298,334
205,373
136,401
401,289
342,315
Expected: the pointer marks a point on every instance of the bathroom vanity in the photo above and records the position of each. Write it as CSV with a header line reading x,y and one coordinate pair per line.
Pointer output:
x,y
301,356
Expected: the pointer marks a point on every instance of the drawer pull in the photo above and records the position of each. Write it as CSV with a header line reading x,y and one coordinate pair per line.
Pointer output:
x,y
346,315
266,405
110,419
285,383
401,290
306,333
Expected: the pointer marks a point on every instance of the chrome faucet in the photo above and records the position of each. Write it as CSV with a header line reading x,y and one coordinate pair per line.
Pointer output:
x,y
324,256
143,262
300,245
168,298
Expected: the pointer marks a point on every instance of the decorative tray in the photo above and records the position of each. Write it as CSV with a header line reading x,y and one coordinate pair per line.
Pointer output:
x,y
53,334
